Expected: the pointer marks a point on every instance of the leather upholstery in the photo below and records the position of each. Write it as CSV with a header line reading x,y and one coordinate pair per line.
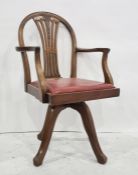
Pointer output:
x,y
69,85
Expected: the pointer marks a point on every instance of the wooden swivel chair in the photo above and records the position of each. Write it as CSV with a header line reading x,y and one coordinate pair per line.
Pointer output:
x,y
59,92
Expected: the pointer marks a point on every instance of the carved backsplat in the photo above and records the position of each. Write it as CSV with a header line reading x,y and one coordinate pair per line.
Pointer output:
x,y
47,25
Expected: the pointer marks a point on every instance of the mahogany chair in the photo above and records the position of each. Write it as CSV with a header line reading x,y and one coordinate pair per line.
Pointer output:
x,y
58,92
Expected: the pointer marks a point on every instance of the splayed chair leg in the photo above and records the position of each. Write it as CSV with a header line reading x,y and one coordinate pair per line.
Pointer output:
x,y
88,123
46,133
40,135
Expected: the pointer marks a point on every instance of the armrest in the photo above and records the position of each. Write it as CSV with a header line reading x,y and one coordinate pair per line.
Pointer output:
x,y
93,50
107,75
24,49
39,70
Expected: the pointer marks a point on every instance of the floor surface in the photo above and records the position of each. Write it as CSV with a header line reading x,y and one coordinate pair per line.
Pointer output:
x,y
69,154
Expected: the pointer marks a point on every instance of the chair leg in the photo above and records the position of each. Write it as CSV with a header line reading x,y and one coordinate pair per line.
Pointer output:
x,y
41,134
88,123
46,133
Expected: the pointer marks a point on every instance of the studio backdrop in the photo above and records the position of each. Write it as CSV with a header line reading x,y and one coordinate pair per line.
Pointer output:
x,y
107,23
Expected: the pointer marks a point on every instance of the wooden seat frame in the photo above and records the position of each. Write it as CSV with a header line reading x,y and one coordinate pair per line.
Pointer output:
x,y
47,24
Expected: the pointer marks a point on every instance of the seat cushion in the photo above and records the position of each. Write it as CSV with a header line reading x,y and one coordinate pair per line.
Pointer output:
x,y
69,85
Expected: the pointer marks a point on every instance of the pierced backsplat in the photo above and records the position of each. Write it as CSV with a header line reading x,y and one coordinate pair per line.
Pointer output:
x,y
48,27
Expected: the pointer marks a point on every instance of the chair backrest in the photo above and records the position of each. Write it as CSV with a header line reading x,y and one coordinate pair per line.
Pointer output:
x,y
47,25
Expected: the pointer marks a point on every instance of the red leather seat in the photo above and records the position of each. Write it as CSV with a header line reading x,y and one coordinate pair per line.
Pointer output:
x,y
68,85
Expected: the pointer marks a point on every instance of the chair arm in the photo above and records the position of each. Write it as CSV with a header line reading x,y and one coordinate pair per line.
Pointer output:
x,y
39,70
107,75
104,50
29,48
